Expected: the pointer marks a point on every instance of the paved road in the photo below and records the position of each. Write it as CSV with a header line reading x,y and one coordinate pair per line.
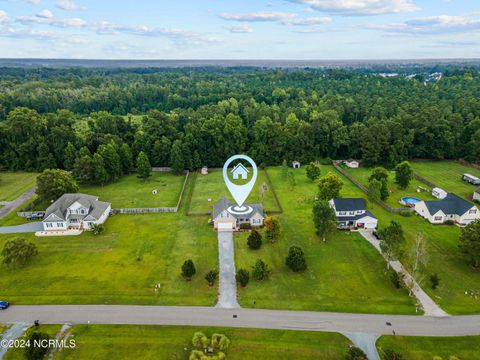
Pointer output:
x,y
227,297
12,205
24,228
246,318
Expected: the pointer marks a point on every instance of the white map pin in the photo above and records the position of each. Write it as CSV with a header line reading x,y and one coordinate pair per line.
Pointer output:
x,y
240,192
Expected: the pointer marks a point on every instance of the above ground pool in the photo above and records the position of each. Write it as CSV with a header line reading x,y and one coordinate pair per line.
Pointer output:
x,y
409,201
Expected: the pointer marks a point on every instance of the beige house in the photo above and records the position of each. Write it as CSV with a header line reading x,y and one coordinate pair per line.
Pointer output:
x,y
224,220
451,208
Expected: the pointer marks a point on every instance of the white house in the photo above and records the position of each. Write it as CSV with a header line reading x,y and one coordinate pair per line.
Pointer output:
x,y
352,214
471,179
75,211
439,193
240,171
352,164
223,220
476,195
451,208
296,164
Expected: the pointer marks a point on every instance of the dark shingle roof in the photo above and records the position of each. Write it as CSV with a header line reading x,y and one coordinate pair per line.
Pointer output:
x,y
355,217
451,205
351,204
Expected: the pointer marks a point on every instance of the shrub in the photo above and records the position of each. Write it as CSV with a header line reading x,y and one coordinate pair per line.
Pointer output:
x,y
272,228
245,226
260,271
296,259
18,252
395,279
243,277
449,222
434,281
188,269
406,213
355,353
390,354
36,352
211,276
97,229
254,240
325,161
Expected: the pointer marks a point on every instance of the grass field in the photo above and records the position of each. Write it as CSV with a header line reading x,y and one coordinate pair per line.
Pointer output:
x,y
14,184
362,174
213,187
104,269
345,274
19,353
3,328
131,192
169,342
447,175
421,348
459,289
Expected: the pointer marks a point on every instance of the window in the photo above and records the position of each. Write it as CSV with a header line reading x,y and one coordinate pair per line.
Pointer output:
x,y
438,218
342,213
59,224
49,225
352,212
473,211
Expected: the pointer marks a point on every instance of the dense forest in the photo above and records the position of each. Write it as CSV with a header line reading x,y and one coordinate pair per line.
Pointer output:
x,y
50,118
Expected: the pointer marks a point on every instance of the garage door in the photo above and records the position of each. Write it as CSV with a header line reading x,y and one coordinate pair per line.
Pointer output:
x,y
225,227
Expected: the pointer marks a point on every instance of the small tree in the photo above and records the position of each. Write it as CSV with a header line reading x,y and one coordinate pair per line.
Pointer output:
x,y
284,170
329,186
260,271
296,259
291,179
403,174
51,184
242,277
313,171
355,353
324,219
144,168
273,228
97,229
390,354
188,269
392,239
254,240
200,340
470,243
381,174
434,281
211,276
374,190
262,190
36,352
18,252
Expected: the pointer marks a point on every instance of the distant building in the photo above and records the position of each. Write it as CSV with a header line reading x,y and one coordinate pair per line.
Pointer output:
x,y
476,195
352,164
204,170
75,211
471,179
451,208
223,220
353,214
296,164
240,171
439,193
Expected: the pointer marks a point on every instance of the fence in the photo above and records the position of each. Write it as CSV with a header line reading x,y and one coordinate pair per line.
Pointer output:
x,y
161,169
425,181
155,210
466,163
365,190
274,195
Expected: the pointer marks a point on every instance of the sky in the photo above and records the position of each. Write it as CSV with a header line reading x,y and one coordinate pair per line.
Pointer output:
x,y
246,29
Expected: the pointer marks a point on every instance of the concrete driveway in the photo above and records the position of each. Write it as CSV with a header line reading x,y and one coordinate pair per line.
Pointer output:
x,y
227,298
24,228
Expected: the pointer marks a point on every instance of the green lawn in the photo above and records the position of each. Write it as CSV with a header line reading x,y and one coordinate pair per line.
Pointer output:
x,y
346,274
174,342
3,328
212,186
362,174
459,289
131,192
104,269
14,184
447,175
421,348
19,353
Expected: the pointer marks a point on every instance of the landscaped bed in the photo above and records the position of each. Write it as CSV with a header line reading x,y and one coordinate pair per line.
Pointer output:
x,y
132,192
14,184
175,342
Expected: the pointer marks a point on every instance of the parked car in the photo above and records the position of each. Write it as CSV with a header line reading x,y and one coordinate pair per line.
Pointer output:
x,y
4,305
35,216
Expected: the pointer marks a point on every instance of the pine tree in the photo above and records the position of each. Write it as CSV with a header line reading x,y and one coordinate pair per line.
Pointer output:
x,y
188,269
296,259
99,173
70,156
144,168
177,160
112,161
45,159
254,240
126,158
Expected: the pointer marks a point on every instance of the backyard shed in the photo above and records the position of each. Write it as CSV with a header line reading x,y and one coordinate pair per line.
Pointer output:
x,y
439,193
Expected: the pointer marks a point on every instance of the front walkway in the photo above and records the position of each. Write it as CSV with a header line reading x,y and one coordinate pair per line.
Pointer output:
x,y
227,297
429,306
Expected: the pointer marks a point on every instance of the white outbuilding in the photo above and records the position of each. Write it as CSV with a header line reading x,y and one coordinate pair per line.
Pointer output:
x,y
439,193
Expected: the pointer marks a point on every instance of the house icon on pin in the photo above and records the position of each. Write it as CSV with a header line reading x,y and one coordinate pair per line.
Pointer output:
x,y
240,172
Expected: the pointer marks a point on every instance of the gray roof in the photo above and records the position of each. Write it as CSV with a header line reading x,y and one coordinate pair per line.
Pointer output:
x,y
451,205
224,204
352,204
59,208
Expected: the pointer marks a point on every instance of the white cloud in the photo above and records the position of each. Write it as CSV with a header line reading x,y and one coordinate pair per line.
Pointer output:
x,y
66,5
285,18
239,29
34,2
432,25
27,33
3,17
46,14
360,7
